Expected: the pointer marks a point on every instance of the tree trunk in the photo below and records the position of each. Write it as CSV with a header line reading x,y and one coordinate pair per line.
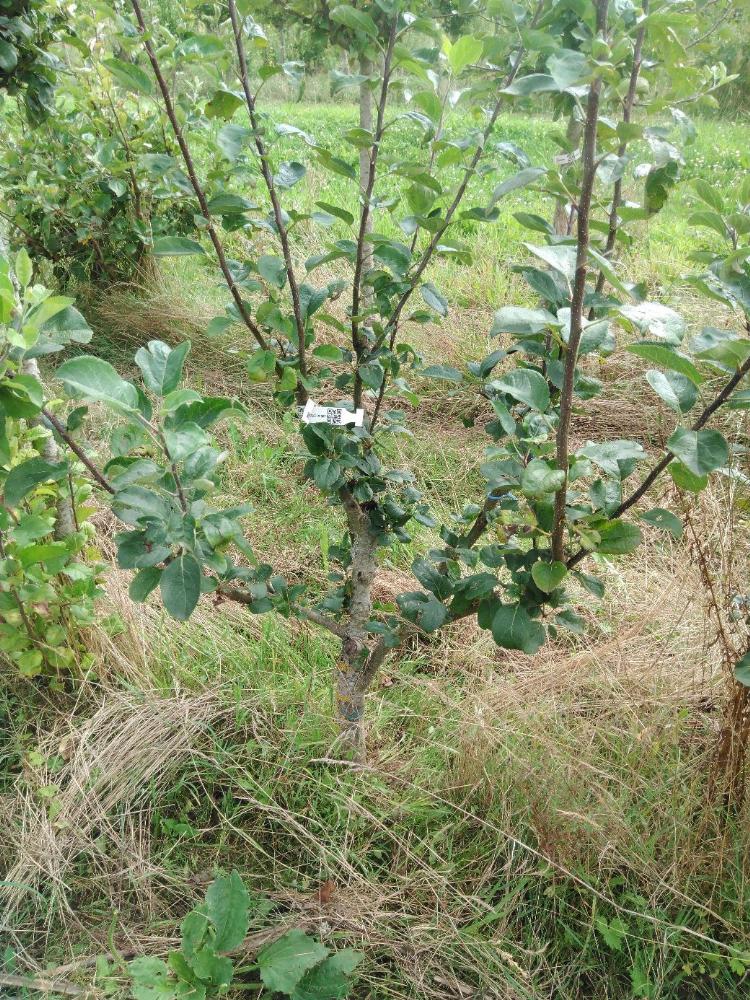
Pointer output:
x,y
357,666
728,773
365,122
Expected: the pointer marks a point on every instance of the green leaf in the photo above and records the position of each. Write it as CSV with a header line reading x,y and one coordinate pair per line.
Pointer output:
x,y
357,20
328,980
223,104
528,386
569,68
434,299
442,372
710,194
8,56
24,268
462,53
130,76
520,180
326,473
665,520
560,258
23,478
231,139
328,352
272,269
289,174
92,378
340,213
181,586
548,576
151,979
667,357
619,538
227,905
161,365
229,204
532,84
708,220
660,321
522,322
685,479
677,391
283,963
513,628
699,451
67,327
176,246
144,581
742,670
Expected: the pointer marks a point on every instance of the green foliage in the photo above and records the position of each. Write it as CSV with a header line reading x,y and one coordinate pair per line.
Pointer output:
x,y
27,67
48,567
293,965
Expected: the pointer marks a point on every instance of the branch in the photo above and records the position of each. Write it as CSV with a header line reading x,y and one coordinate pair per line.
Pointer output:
x,y
627,115
357,342
309,614
196,185
662,464
392,324
277,212
77,451
579,292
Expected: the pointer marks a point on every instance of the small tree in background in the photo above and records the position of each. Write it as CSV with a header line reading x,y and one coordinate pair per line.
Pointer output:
x,y
508,558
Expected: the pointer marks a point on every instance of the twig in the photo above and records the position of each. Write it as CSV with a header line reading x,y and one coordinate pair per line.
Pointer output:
x,y
42,985
77,451
579,292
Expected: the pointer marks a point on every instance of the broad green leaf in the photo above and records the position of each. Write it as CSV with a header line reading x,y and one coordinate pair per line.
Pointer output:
x,y
685,479
528,386
548,576
231,139
22,478
92,378
161,365
619,538
328,980
24,268
227,905
660,321
463,52
677,391
176,246
283,963
289,173
8,55
665,520
326,473
67,326
539,478
130,76
560,258
699,451
709,220
569,68
522,322
181,586
340,213
513,628
710,194
667,357
520,180
434,299
532,84
357,20
144,581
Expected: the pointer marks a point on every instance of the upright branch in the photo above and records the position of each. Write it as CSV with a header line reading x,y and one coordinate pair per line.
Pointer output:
x,y
579,293
359,343
195,183
278,215
628,105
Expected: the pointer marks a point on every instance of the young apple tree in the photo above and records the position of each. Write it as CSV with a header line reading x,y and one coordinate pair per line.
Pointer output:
x,y
548,504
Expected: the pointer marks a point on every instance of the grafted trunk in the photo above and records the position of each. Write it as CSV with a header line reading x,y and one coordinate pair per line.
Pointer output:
x,y
357,666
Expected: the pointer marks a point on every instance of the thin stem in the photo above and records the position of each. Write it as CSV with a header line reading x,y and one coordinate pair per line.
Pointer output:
x,y
309,614
627,116
391,328
273,195
358,343
196,185
578,295
77,451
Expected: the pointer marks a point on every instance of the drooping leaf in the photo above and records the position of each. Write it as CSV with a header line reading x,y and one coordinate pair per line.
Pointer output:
x,y
667,357
513,628
699,451
22,478
130,76
181,586
665,520
548,576
92,378
528,386
161,365
176,246
677,391
619,538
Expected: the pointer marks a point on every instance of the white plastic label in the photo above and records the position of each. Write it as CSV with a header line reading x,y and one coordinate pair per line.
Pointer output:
x,y
337,416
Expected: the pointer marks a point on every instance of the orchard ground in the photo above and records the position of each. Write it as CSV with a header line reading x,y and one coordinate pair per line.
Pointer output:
x,y
524,827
